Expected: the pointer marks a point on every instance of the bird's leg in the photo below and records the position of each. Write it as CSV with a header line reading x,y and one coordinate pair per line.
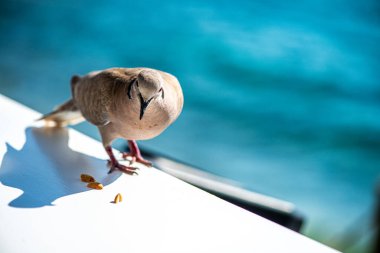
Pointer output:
x,y
135,153
115,165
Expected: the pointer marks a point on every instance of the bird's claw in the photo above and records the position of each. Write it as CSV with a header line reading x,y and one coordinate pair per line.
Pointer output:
x,y
126,169
136,158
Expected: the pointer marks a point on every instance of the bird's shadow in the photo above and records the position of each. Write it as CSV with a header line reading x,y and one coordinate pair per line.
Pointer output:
x,y
46,168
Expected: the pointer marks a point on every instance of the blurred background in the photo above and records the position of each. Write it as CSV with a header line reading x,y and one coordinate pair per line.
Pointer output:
x,y
282,97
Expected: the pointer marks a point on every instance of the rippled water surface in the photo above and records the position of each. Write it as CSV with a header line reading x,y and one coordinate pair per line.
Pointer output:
x,y
282,97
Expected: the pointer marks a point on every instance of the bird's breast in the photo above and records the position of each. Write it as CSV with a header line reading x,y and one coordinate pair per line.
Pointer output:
x,y
155,120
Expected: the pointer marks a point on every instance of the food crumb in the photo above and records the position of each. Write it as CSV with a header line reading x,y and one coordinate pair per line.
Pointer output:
x,y
95,185
87,178
118,198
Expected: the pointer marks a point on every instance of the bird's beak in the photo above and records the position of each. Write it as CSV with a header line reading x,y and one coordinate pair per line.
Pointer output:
x,y
143,105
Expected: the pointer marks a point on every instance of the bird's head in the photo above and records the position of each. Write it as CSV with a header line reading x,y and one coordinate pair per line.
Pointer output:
x,y
148,85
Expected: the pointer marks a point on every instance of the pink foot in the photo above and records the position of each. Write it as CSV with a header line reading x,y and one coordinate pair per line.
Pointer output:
x,y
135,158
115,165
135,154
126,169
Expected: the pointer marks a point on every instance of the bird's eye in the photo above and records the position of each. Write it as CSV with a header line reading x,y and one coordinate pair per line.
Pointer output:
x,y
162,92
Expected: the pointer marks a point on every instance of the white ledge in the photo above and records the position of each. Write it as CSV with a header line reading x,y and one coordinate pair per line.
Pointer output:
x,y
44,207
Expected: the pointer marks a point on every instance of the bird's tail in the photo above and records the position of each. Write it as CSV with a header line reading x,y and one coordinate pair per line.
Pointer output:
x,y
63,115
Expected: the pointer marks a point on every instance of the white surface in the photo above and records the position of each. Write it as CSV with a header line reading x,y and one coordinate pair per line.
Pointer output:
x,y
45,208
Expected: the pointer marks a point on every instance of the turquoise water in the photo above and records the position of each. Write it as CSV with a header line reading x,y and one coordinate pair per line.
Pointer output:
x,y
283,98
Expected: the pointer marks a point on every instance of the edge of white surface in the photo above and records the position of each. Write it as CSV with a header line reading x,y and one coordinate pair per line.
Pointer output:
x,y
217,184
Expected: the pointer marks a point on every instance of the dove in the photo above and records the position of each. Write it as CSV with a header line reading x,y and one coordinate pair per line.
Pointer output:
x,y
129,103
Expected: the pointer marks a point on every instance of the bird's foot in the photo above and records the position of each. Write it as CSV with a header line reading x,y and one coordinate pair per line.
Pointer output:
x,y
136,158
126,169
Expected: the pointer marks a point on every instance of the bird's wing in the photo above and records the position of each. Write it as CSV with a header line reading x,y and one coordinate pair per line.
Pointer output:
x,y
92,97
98,94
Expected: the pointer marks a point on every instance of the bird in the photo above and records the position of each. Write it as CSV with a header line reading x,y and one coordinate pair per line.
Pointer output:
x,y
129,103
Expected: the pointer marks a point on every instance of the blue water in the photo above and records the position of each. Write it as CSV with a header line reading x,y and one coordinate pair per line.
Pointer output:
x,y
282,97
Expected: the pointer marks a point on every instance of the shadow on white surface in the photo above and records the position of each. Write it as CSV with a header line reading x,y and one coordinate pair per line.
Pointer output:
x,y
46,168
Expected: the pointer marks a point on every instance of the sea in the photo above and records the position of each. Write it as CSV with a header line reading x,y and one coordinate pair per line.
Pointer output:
x,y
281,97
